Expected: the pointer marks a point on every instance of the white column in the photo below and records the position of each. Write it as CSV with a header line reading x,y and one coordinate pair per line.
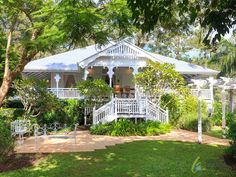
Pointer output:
x,y
86,73
212,82
199,83
57,78
199,116
223,112
231,100
110,74
135,71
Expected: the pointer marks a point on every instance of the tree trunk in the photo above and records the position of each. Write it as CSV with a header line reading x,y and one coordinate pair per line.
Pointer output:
x,y
6,84
9,75
7,78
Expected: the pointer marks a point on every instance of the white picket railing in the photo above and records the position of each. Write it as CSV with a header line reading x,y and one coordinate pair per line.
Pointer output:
x,y
66,92
205,93
155,112
129,107
102,114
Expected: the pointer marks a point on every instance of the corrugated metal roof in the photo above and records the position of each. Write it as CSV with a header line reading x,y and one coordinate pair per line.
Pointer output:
x,y
68,61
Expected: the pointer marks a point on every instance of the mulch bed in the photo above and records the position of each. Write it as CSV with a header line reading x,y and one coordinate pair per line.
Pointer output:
x,y
19,161
229,160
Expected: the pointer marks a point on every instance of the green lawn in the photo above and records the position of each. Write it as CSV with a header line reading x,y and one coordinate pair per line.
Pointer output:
x,y
145,158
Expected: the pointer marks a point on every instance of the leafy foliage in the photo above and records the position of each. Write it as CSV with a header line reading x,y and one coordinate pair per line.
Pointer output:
x,y
158,78
29,29
180,14
232,137
173,103
190,122
189,115
69,112
224,58
10,114
217,115
34,96
94,90
125,127
6,141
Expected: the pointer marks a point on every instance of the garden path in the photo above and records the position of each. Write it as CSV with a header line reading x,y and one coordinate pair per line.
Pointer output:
x,y
86,142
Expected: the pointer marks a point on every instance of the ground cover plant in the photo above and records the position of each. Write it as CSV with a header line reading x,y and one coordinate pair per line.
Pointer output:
x,y
126,127
143,158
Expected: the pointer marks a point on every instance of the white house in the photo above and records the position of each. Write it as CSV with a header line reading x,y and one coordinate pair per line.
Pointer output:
x,y
116,63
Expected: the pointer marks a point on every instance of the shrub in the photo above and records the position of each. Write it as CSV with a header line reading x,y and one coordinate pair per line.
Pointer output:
x,y
141,129
232,137
13,103
10,114
6,141
172,102
189,115
217,115
125,127
190,122
69,112
190,105
156,128
101,129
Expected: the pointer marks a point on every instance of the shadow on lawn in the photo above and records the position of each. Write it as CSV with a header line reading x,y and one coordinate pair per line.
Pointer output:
x,y
19,161
143,158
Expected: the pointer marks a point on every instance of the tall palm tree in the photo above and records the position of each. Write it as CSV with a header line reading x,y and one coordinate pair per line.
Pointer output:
x,y
225,58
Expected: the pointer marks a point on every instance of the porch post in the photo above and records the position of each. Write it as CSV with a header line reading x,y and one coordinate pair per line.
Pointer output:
x,y
223,112
211,81
231,100
110,74
199,115
57,78
86,73
135,71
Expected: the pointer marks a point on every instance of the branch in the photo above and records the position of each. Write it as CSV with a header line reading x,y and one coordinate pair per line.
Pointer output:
x,y
8,48
26,57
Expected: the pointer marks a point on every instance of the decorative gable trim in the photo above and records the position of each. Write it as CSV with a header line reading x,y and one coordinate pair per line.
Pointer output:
x,y
122,49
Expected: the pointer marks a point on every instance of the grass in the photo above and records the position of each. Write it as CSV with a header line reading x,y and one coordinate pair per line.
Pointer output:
x,y
216,131
144,158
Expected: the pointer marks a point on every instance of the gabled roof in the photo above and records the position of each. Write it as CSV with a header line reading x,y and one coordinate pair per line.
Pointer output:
x,y
69,61
66,61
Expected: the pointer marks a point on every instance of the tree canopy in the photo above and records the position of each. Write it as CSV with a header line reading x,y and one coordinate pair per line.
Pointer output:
x,y
28,28
217,16
157,79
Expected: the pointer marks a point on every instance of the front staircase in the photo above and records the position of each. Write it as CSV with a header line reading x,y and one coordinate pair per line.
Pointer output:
x,y
129,108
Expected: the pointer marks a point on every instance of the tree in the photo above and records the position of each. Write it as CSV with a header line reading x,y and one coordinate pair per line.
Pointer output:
x,y
35,97
216,16
94,91
29,28
224,58
159,79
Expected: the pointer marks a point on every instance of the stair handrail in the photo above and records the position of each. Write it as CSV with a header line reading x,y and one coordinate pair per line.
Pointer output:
x,y
155,112
103,112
